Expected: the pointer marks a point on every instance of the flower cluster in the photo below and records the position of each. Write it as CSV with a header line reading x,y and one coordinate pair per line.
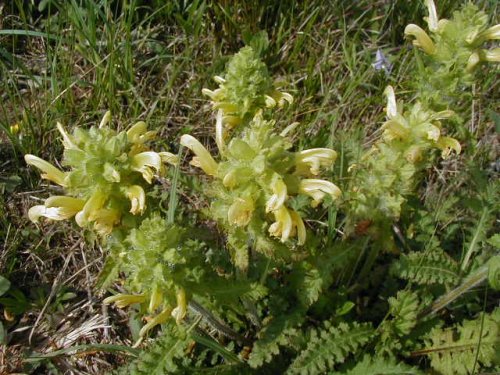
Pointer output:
x,y
387,171
246,87
257,177
108,171
454,47
159,264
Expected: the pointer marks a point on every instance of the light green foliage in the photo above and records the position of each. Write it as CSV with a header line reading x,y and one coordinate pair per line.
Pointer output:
x,y
329,346
427,267
467,346
380,366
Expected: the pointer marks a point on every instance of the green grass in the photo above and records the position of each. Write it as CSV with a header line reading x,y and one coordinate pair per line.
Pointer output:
x,y
70,61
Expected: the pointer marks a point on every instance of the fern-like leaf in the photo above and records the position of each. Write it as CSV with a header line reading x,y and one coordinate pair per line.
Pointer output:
x,y
425,268
456,350
279,333
162,357
329,346
380,366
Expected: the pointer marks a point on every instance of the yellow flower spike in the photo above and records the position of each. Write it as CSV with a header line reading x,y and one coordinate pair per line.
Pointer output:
x,y
447,144
180,311
143,163
219,132
158,319
240,212
422,39
310,161
68,142
278,198
56,208
492,55
392,107
92,206
137,198
105,119
432,20
124,300
203,158
156,299
283,226
51,173
301,228
317,189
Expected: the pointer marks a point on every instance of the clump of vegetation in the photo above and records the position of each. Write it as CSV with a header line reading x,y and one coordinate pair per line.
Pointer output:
x,y
286,255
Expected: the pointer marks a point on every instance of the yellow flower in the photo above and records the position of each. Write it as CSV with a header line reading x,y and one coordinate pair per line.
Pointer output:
x,y
105,119
143,163
137,198
278,198
91,209
124,300
298,224
392,108
422,40
51,173
447,144
156,299
432,20
310,161
283,225
180,311
240,212
203,159
68,141
158,319
317,189
56,208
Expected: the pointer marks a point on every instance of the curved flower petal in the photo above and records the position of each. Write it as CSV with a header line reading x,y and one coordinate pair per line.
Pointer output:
x,y
422,39
393,129
156,299
432,20
447,144
68,142
203,158
136,131
168,157
283,226
104,220
219,132
310,161
50,172
493,33
137,198
158,319
180,311
105,119
240,212
492,55
472,62
52,213
392,108
317,189
270,102
299,224
278,198
124,300
91,208
143,163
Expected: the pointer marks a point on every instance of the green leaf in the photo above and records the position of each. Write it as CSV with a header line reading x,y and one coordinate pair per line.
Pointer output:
x,y
4,285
